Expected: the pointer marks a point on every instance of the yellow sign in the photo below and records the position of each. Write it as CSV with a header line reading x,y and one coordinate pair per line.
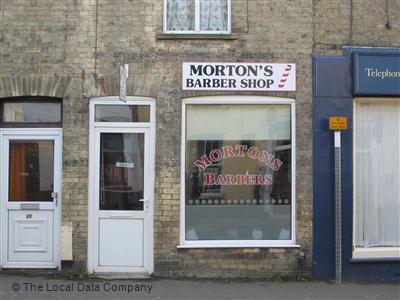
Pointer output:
x,y
338,123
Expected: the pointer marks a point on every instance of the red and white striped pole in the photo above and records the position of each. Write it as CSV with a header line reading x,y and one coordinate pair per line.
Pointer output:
x,y
285,76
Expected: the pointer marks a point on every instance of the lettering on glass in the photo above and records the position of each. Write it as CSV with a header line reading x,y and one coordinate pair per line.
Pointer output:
x,y
262,156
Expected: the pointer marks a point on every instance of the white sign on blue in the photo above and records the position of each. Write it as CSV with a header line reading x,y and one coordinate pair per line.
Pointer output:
x,y
377,74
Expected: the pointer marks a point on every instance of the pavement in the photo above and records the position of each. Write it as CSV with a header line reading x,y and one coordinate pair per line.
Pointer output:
x,y
15,286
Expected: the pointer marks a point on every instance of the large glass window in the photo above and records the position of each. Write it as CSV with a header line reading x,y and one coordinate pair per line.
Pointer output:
x,y
377,175
238,172
197,16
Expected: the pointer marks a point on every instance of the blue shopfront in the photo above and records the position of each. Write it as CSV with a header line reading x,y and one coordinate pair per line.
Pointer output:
x,y
364,86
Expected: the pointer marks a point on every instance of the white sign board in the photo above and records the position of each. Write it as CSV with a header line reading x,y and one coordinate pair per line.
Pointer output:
x,y
124,165
123,76
239,76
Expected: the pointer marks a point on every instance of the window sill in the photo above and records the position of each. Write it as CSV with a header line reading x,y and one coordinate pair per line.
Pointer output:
x,y
196,36
249,245
378,253
374,260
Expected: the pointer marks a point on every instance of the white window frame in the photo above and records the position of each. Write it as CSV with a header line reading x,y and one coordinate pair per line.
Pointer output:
x,y
197,22
367,252
238,243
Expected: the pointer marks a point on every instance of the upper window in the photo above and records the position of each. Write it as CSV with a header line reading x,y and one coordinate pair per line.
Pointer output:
x,y
238,174
197,16
31,112
377,178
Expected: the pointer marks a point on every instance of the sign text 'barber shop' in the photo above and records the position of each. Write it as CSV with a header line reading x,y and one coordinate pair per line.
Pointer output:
x,y
239,76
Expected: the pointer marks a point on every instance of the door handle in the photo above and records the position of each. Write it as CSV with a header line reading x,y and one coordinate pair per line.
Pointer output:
x,y
145,202
54,195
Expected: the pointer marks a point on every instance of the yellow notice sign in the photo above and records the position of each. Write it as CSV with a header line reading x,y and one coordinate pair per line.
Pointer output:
x,y
338,123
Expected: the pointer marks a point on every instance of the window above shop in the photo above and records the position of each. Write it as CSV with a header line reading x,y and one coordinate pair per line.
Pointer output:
x,y
238,188
197,16
31,112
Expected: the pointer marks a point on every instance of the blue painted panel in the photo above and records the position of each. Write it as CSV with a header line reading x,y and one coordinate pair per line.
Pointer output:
x,y
328,101
324,179
377,73
332,96
333,75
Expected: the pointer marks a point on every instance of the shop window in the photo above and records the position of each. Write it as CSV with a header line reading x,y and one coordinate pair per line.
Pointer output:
x,y
31,112
377,178
238,174
197,16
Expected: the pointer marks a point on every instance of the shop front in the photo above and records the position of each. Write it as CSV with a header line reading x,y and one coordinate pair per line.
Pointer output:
x,y
237,172
364,86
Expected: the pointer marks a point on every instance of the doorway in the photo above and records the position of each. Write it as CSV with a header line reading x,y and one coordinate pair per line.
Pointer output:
x,y
121,188
30,197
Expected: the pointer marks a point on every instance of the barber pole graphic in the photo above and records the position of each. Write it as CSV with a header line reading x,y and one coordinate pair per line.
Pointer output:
x,y
285,76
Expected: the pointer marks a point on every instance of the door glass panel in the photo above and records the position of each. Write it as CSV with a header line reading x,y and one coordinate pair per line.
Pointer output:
x,y
121,171
31,165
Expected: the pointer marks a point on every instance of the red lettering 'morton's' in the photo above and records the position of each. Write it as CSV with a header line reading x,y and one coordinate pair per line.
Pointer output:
x,y
228,151
203,163
240,151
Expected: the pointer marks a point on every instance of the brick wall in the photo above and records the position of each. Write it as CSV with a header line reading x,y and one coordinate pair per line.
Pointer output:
x,y
82,42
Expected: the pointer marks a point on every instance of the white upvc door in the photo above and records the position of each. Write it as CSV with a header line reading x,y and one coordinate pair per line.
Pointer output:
x,y
31,164
121,200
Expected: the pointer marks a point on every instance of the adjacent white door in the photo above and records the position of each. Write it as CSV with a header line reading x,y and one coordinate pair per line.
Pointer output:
x,y
121,199
30,198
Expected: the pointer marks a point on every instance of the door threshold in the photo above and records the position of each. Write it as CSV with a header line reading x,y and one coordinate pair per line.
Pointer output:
x,y
25,268
29,270
117,275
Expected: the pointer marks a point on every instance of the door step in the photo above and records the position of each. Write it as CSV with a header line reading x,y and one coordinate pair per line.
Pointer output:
x,y
121,275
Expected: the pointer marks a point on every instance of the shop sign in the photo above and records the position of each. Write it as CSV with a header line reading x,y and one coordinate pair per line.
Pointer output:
x,y
123,76
241,151
377,74
239,76
128,165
